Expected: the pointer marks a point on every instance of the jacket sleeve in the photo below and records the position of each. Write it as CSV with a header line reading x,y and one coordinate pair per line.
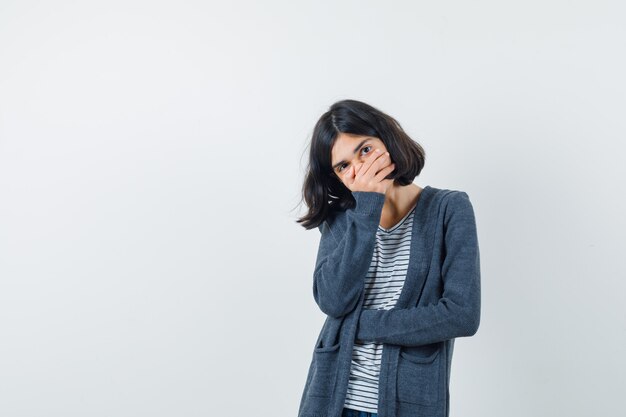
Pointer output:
x,y
457,312
343,261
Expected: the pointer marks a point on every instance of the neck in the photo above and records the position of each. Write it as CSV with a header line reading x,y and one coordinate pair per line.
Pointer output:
x,y
398,201
399,197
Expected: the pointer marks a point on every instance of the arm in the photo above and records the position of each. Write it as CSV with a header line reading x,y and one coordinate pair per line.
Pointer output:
x,y
342,263
457,312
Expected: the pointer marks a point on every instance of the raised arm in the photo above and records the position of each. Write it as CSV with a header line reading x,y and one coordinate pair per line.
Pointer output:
x,y
343,261
457,312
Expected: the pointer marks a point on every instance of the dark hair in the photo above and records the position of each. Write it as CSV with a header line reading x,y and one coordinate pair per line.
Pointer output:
x,y
322,190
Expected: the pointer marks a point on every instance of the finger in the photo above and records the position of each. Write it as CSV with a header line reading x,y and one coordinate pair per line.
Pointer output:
x,y
383,161
374,156
380,175
379,163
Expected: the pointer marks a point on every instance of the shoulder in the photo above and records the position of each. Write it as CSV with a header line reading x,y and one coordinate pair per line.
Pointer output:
x,y
450,202
334,223
457,198
328,226
445,197
448,196
457,207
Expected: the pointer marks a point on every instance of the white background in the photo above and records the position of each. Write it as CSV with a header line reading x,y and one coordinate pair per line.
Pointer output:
x,y
151,159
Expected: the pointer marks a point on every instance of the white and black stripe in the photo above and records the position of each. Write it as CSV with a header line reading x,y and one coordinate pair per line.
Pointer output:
x,y
383,284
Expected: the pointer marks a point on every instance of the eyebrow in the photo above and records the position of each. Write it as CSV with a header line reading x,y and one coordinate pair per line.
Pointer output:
x,y
356,149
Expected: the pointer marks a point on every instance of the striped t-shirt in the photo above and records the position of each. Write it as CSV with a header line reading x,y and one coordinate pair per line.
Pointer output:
x,y
383,284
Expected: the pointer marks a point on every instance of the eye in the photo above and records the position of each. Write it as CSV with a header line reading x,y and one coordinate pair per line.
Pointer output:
x,y
364,147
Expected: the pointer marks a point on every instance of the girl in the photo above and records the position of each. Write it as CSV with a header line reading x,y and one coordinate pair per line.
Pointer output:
x,y
397,271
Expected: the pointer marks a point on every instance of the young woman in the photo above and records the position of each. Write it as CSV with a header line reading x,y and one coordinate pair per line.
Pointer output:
x,y
397,271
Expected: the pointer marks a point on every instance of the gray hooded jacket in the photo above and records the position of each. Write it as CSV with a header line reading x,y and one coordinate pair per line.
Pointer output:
x,y
440,301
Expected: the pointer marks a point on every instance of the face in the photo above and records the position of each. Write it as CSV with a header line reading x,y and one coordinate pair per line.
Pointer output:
x,y
351,150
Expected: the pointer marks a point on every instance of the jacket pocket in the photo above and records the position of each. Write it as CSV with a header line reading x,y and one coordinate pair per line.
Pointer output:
x,y
419,374
324,371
